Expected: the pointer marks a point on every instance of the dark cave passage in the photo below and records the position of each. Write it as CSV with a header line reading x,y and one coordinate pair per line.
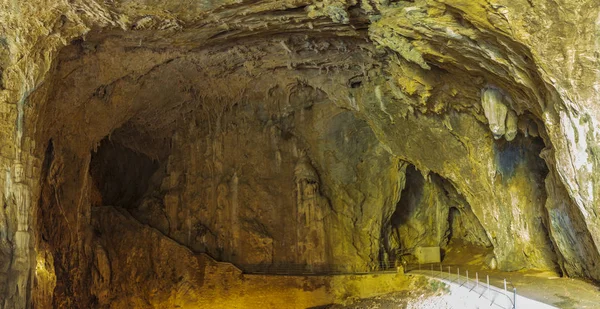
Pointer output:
x,y
121,175
431,213
410,197
522,152
453,219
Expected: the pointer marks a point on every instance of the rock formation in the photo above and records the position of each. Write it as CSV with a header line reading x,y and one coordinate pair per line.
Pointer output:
x,y
307,135
495,110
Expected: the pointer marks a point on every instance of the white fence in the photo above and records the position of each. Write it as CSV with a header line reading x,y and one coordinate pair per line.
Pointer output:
x,y
475,282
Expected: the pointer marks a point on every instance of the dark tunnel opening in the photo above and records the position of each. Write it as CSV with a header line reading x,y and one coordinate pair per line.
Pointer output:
x,y
120,175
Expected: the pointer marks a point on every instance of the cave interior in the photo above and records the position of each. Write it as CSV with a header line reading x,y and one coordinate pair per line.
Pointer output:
x,y
288,144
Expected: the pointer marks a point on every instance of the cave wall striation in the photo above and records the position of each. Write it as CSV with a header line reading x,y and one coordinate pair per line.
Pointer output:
x,y
301,135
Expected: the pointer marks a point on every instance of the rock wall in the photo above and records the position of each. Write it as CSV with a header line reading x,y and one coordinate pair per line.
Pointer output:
x,y
137,267
261,191
261,117
430,213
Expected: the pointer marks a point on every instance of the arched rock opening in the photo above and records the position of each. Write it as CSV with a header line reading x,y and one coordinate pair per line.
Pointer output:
x,y
120,176
267,170
431,213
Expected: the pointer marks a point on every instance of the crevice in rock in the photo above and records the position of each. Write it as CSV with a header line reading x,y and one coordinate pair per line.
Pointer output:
x,y
453,218
408,205
523,156
431,213
121,175
521,153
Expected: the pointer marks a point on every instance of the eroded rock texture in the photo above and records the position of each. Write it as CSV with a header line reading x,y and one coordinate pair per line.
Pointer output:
x,y
310,136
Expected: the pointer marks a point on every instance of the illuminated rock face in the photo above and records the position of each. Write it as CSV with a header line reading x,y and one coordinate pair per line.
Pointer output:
x,y
495,110
307,135
501,118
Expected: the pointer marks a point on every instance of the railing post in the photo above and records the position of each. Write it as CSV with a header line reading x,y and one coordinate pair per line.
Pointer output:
x,y
488,283
514,298
457,275
467,277
504,284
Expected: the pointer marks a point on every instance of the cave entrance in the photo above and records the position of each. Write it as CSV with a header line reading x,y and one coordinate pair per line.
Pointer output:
x,y
453,221
121,176
466,242
431,213
406,209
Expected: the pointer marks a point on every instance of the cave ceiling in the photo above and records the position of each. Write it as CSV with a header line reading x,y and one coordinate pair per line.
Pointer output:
x,y
214,121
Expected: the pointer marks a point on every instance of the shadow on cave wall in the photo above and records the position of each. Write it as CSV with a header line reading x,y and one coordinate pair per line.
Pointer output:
x,y
453,218
521,151
430,212
121,175
410,197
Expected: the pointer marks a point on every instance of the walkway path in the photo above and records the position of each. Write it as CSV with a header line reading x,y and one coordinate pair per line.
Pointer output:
x,y
549,288
477,294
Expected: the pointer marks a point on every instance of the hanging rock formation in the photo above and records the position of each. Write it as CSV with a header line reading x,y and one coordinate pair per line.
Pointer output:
x,y
511,125
501,118
495,109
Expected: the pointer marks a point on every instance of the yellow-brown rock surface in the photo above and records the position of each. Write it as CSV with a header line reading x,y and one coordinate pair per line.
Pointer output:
x,y
292,134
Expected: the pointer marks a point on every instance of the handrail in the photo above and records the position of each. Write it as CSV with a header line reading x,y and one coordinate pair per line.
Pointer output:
x,y
482,288
314,269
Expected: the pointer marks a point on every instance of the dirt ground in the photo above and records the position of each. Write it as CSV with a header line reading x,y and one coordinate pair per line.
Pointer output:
x,y
429,292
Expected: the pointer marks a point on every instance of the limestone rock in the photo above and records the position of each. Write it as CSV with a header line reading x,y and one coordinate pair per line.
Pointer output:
x,y
511,125
278,133
491,262
492,101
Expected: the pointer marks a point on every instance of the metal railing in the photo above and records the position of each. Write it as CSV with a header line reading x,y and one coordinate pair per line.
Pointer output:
x,y
315,269
502,298
498,297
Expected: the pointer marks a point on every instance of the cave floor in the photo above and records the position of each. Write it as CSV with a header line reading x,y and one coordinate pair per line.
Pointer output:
x,y
544,286
549,288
